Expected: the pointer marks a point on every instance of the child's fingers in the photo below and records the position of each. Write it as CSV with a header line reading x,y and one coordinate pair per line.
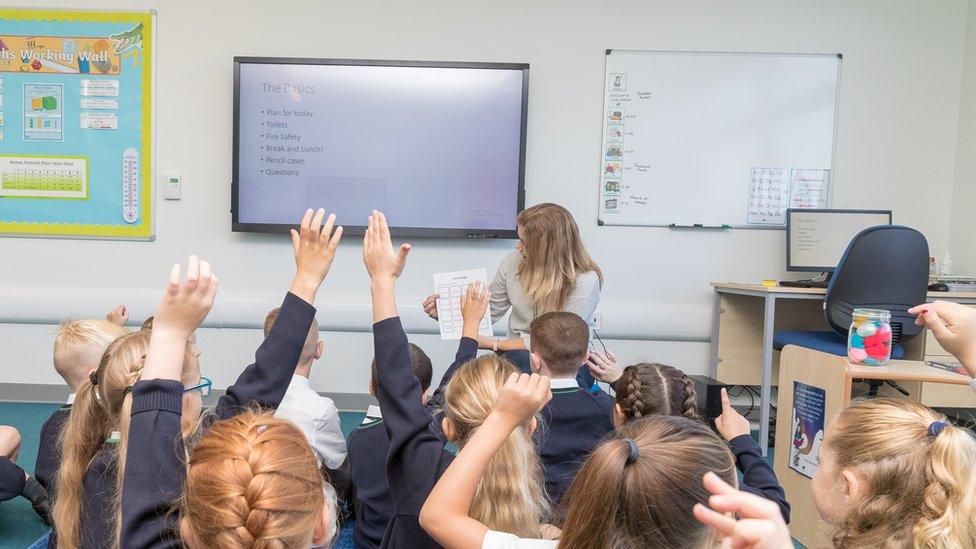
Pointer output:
x,y
336,237
726,405
316,225
749,532
296,240
719,522
403,252
716,485
326,233
204,283
306,220
745,505
192,273
174,279
212,291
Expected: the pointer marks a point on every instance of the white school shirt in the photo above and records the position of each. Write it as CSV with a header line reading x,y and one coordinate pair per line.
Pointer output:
x,y
501,540
317,418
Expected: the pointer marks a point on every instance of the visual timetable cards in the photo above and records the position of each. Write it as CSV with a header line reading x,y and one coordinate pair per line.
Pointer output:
x,y
451,286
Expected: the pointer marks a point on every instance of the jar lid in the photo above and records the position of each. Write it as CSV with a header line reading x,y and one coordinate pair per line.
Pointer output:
x,y
875,314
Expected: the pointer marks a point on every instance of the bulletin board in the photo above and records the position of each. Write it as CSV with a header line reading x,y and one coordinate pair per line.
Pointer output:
x,y
76,123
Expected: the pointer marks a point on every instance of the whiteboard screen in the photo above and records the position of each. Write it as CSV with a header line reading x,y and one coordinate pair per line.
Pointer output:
x,y
716,138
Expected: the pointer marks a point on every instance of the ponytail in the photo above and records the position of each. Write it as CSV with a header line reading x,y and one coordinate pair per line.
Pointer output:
x,y
80,440
656,389
637,489
510,496
918,472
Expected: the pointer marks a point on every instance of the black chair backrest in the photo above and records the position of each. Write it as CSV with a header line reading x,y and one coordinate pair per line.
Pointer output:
x,y
884,267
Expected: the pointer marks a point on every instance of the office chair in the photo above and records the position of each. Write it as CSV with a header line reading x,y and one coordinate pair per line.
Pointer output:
x,y
884,267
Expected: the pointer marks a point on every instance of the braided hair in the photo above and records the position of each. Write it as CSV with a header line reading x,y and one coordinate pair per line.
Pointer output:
x,y
252,482
656,389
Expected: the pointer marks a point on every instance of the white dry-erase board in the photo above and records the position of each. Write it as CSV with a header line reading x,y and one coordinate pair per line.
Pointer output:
x,y
716,138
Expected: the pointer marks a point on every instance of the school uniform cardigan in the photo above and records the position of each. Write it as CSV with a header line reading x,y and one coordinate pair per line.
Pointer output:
x,y
574,422
757,476
369,446
49,451
156,459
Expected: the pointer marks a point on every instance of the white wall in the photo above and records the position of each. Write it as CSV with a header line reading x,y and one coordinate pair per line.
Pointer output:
x,y
896,148
961,243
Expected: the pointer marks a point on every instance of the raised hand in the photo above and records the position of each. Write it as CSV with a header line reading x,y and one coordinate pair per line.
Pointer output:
x,y
315,247
760,525
185,305
118,315
604,367
430,305
474,302
954,326
180,312
521,398
383,263
731,423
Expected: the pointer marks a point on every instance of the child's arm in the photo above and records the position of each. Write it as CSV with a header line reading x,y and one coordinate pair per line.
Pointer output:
x,y
473,306
415,451
265,381
954,326
155,458
757,476
760,526
445,514
12,479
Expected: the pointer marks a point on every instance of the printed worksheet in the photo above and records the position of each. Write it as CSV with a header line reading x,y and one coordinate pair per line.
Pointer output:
x,y
451,286
808,188
769,190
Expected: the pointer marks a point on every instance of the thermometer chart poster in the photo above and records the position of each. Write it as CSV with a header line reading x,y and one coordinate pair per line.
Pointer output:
x,y
76,123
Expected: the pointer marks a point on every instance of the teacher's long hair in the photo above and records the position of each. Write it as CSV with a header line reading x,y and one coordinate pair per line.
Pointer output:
x,y
554,255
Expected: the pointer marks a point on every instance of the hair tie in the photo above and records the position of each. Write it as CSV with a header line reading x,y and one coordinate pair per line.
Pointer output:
x,y
936,427
93,378
634,451
127,390
262,428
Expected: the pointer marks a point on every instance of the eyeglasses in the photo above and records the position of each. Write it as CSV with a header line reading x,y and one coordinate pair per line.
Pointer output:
x,y
203,387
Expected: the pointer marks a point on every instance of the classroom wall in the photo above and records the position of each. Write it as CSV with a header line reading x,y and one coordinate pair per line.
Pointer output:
x,y
896,148
963,228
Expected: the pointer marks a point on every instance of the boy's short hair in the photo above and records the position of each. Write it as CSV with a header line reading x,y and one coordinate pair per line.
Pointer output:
x,y
311,341
560,339
79,345
422,367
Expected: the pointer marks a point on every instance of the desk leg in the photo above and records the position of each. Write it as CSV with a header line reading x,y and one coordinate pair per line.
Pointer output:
x,y
716,319
767,373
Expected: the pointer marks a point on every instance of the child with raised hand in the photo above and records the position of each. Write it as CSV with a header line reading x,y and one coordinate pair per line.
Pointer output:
x,y
635,489
647,389
894,473
954,326
369,444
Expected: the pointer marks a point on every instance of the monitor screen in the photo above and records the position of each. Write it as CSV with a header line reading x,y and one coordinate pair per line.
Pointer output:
x,y
816,239
438,147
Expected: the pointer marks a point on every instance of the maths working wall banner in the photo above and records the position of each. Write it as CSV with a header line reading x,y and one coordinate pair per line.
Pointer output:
x,y
76,123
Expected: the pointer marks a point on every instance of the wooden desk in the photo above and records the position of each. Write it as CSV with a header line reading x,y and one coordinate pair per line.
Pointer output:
x,y
745,317
835,375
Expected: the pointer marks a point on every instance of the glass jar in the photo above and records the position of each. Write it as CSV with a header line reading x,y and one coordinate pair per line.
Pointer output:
x,y
869,340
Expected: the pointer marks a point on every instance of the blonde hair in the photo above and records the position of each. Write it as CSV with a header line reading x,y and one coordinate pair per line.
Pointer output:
x,y
510,496
920,487
79,345
554,255
252,481
99,409
647,502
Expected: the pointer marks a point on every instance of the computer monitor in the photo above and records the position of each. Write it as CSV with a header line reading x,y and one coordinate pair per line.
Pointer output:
x,y
816,239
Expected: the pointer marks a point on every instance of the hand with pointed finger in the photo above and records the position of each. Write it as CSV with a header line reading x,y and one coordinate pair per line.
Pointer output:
x,y
760,524
430,305
954,326
604,367
731,424
315,246
185,305
521,398
118,315
383,263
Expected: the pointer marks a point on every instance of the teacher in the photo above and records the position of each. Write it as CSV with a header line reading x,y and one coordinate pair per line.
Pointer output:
x,y
549,270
